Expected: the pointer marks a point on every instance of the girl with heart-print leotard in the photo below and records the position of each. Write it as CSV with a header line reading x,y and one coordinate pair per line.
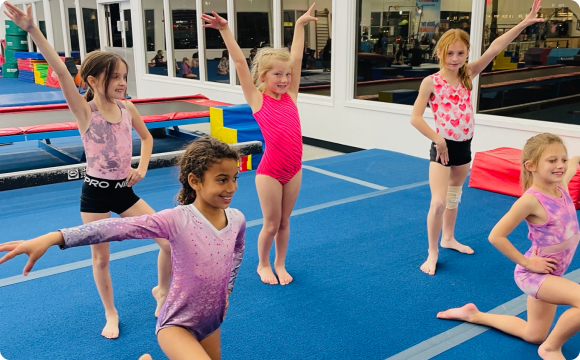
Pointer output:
x,y
448,92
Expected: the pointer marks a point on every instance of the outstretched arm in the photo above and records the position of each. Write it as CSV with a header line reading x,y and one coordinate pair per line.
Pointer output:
x,y
251,93
297,51
77,104
164,224
503,41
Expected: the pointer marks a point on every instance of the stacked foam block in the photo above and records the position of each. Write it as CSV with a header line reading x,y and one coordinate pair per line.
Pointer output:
x,y
27,67
40,71
235,124
506,61
16,40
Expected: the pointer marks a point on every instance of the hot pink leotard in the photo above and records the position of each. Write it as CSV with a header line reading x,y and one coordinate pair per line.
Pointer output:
x,y
452,110
556,239
108,146
280,125
204,260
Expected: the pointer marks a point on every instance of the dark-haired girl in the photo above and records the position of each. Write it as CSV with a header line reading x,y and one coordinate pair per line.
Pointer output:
x,y
105,120
207,244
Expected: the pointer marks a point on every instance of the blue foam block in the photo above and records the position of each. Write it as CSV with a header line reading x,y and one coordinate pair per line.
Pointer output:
x,y
29,99
28,55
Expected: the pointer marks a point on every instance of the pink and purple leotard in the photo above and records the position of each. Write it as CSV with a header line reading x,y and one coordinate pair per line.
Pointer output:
x,y
555,239
205,261
280,125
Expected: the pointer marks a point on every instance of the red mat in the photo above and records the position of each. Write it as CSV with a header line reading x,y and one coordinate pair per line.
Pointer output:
x,y
498,170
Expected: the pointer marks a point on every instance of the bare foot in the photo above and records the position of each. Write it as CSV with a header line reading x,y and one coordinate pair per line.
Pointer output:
x,y
464,313
456,245
550,354
283,275
160,299
146,357
430,264
111,329
267,275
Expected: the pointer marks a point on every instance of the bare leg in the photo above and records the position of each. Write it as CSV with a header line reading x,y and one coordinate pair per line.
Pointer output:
x,y
179,344
535,330
212,345
270,194
290,194
100,255
438,180
163,260
457,177
560,291
145,357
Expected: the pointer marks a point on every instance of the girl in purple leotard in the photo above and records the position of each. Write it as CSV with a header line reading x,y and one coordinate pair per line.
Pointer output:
x,y
549,211
207,244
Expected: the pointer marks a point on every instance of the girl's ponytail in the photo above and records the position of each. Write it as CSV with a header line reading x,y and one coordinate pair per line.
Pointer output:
x,y
90,95
465,78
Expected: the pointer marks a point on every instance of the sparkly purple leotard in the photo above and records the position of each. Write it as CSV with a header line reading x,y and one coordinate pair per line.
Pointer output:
x,y
555,239
205,261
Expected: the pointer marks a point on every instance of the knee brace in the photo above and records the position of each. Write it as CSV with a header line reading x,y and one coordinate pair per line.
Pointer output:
x,y
453,197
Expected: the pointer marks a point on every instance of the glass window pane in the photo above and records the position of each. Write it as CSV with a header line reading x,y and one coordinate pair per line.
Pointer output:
x,y
129,30
91,28
185,48
216,55
253,27
154,28
73,27
315,75
395,55
536,76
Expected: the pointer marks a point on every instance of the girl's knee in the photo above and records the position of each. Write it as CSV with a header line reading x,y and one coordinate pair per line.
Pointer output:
x,y
271,227
535,336
284,224
437,206
100,261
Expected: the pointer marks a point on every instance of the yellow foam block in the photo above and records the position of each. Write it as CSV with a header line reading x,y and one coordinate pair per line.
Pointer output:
x,y
218,131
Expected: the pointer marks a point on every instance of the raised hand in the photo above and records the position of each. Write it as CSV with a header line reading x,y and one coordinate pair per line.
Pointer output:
x,y
23,20
531,18
214,22
307,17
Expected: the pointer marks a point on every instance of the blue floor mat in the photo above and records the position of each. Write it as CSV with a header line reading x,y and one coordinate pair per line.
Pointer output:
x,y
376,166
357,294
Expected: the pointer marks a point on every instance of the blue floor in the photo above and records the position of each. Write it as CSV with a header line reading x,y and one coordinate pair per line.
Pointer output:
x,y
354,255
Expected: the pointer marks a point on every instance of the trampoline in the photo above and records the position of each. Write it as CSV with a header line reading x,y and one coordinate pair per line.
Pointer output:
x,y
26,123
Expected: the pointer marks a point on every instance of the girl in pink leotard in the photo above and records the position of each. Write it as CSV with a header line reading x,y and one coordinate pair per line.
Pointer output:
x,y
207,243
271,89
549,211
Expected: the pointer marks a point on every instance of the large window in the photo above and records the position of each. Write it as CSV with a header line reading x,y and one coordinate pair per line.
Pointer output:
x,y
73,29
538,75
184,31
216,55
315,77
154,29
395,45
